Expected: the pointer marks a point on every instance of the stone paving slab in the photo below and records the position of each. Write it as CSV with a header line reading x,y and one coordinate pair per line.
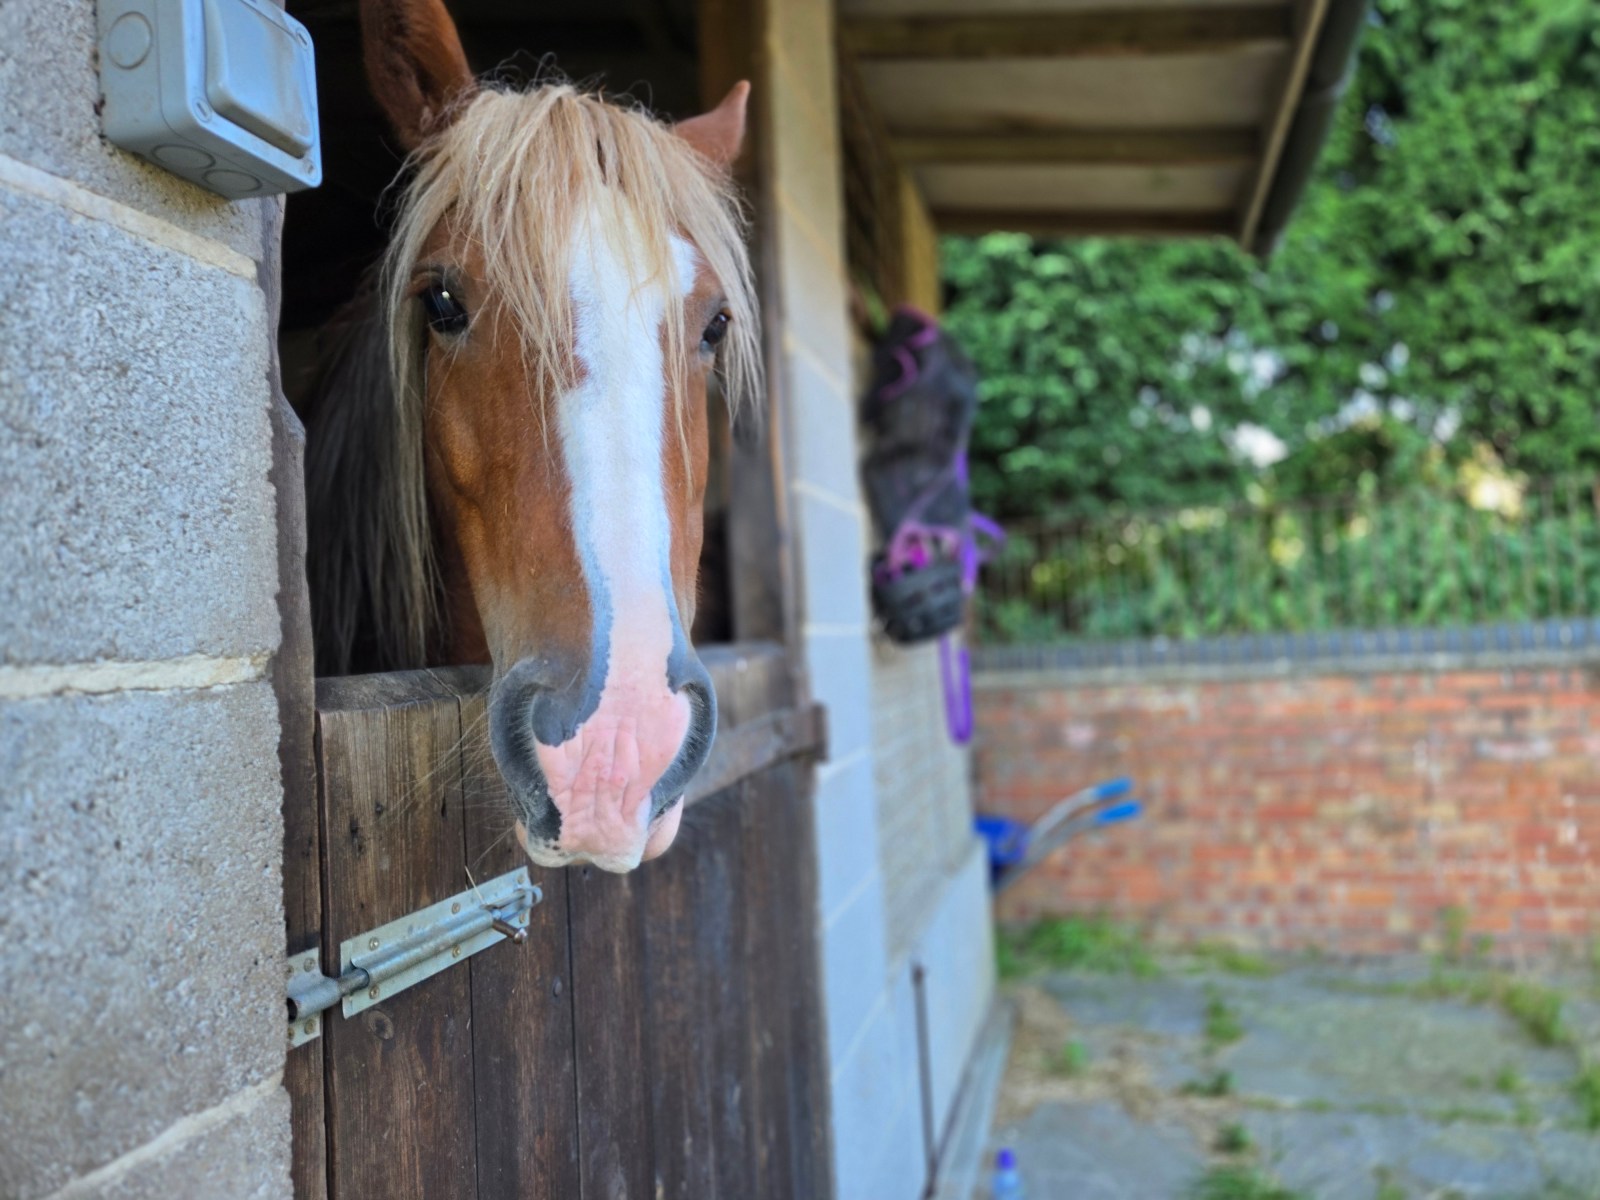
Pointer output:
x,y
1350,1083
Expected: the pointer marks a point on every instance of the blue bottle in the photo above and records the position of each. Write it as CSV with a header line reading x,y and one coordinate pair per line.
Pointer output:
x,y
1007,1179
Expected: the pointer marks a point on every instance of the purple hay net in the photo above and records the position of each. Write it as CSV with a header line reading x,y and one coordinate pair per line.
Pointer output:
x,y
919,411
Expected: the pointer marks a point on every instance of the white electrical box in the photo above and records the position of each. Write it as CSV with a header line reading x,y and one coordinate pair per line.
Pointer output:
x,y
222,92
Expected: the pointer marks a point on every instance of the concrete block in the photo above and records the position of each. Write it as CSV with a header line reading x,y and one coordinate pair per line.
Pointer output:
x,y
142,930
49,94
815,299
956,950
840,676
847,833
835,578
802,34
877,1134
823,448
807,155
244,1158
134,449
854,969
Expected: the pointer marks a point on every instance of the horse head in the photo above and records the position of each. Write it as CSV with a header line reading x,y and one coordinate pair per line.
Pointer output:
x,y
565,277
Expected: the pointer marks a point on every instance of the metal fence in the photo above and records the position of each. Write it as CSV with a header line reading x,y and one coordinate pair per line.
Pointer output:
x,y
1499,553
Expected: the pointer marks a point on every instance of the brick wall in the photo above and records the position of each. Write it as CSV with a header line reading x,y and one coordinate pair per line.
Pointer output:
x,y
1338,811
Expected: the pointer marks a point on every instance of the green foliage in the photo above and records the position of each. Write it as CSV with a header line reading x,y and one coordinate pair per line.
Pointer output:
x,y
1212,1087
1537,1009
1222,1027
1071,1061
1419,558
1233,960
1437,295
1239,1182
1586,1091
1076,944
1233,1138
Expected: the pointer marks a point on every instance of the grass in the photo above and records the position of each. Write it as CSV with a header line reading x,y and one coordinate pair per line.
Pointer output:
x,y
1071,1061
1508,1081
1096,944
1212,1087
1231,960
1222,1027
1235,1181
1586,1091
1233,1138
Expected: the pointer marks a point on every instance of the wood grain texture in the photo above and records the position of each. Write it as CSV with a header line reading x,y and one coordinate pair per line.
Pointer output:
x,y
1106,33
524,1077
1086,223
1083,147
400,1118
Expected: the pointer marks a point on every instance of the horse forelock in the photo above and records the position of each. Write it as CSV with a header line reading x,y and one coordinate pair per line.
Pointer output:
x,y
515,175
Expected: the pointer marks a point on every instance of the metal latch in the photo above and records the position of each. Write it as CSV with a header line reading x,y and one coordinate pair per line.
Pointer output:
x,y
387,960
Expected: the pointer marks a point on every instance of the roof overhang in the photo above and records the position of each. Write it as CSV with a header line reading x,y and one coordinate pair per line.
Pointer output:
x,y
1094,117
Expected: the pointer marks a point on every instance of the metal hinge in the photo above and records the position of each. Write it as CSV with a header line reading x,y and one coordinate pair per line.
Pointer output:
x,y
387,960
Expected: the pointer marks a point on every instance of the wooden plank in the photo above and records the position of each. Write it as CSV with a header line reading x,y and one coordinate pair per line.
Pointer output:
x,y
759,555
1085,224
294,685
524,1079
1310,14
1058,187
681,1071
398,1074
752,747
1088,147
609,1017
1105,33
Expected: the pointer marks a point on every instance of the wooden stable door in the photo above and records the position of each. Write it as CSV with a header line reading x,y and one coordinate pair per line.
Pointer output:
x,y
656,1036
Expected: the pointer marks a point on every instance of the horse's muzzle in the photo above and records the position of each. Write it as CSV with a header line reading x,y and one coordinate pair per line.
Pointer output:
x,y
597,767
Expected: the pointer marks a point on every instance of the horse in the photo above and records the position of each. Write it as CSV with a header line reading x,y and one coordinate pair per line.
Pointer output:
x,y
507,446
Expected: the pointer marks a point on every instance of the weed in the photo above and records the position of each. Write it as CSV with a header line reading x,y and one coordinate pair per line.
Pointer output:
x,y
1234,961
1508,1080
1007,957
1586,1091
1222,1023
1233,1138
1388,1187
1071,1061
1086,944
1212,1087
1537,1009
1236,1182
1453,928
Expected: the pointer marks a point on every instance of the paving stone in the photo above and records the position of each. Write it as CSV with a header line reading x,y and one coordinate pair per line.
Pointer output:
x,y
1096,1151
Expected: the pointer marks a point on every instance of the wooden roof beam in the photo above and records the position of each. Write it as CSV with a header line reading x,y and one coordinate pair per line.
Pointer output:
x,y
1086,223
1083,147
1104,33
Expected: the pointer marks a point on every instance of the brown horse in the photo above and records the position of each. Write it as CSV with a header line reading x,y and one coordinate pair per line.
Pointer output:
x,y
507,452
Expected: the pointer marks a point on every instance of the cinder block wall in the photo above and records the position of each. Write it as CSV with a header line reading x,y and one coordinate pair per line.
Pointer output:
x,y
1345,812
141,922
879,1148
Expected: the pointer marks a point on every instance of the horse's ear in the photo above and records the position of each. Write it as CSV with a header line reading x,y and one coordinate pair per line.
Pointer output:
x,y
719,133
415,64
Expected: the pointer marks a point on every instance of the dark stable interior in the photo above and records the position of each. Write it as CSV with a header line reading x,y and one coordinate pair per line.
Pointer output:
x,y
643,50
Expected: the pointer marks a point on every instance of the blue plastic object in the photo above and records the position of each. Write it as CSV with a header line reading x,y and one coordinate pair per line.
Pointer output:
x,y
1007,1178
1112,788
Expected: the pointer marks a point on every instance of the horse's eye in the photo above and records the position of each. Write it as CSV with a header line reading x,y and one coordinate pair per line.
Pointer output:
x,y
716,331
446,314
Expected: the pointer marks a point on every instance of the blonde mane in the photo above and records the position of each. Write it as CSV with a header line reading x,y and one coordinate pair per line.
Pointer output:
x,y
512,173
